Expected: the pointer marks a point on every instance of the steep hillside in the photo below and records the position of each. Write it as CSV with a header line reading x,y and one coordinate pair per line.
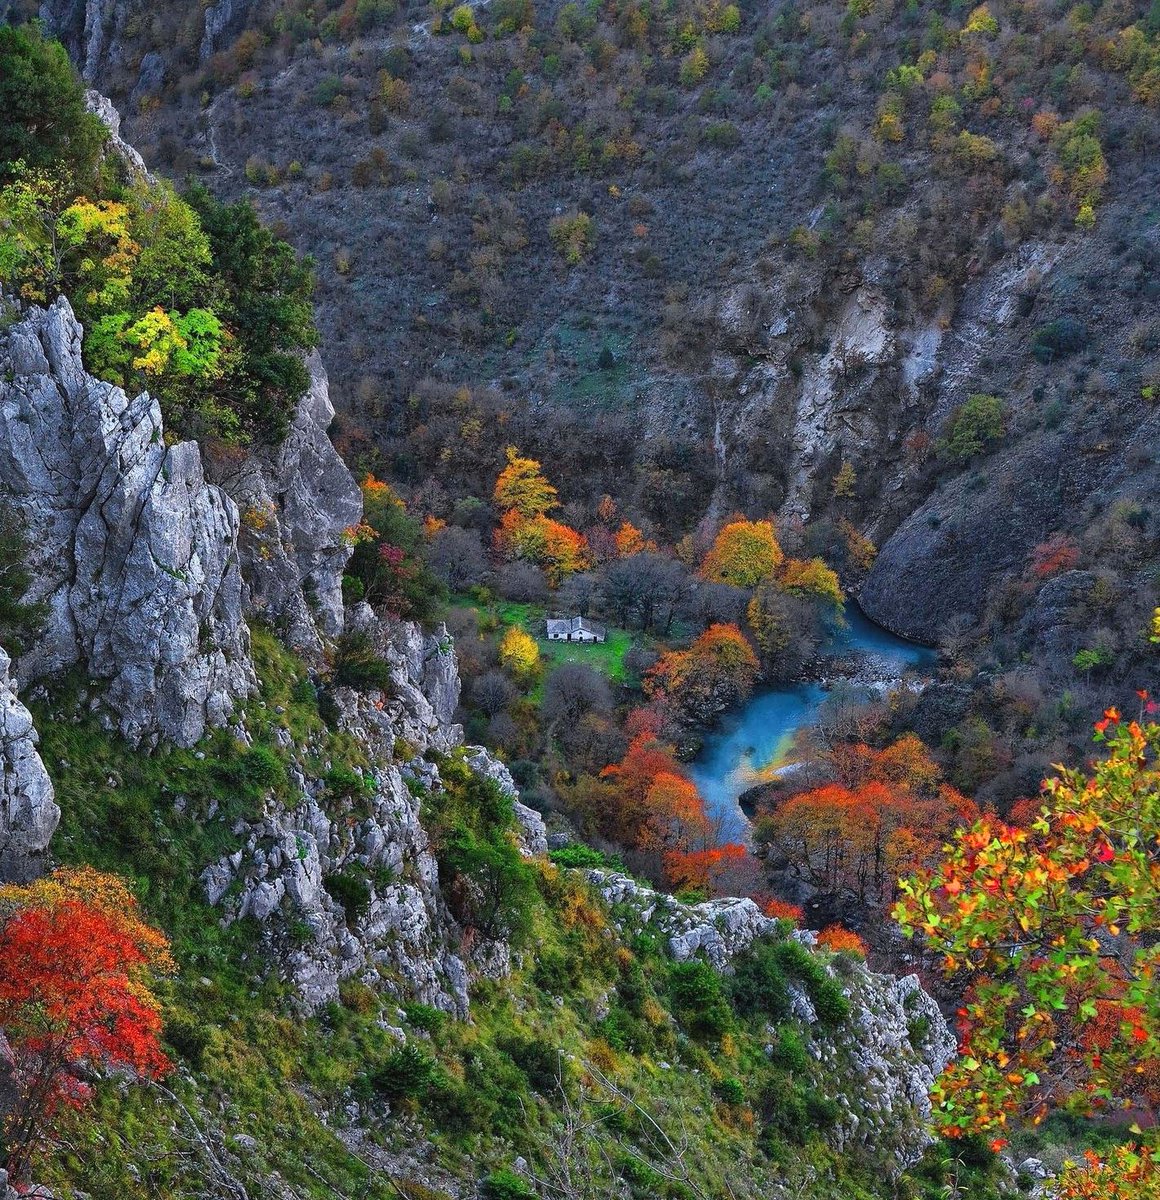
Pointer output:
x,y
700,321
339,876
815,232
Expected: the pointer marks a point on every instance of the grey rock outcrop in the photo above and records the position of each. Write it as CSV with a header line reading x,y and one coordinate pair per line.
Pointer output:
x,y
28,813
132,552
223,21
878,1064
533,831
106,110
425,682
718,929
295,503
91,31
401,936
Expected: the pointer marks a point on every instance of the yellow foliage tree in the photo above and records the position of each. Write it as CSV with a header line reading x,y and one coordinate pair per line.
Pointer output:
x,y
744,553
521,487
812,578
519,654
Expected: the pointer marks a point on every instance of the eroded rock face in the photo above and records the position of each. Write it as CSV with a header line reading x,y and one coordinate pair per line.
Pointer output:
x,y
399,934
878,1064
295,504
424,679
133,553
533,831
28,814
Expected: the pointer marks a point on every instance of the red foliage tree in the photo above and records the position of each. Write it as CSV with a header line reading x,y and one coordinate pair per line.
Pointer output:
x,y
75,960
1053,557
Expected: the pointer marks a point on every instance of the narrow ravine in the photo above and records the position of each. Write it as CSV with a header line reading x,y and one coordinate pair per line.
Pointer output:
x,y
754,743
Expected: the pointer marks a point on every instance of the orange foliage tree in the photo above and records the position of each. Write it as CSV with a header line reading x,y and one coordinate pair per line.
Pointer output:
x,y
630,541
716,870
525,530
676,818
744,553
648,804
645,761
838,937
887,812
1130,1172
716,672
77,960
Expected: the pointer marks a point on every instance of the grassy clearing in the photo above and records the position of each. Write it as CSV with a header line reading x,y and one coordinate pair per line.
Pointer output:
x,y
607,657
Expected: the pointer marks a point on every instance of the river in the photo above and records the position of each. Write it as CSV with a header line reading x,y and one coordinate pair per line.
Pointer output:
x,y
752,744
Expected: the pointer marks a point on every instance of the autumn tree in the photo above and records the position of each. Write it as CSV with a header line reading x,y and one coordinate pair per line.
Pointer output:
x,y
626,818
630,541
80,999
386,566
552,545
522,488
887,811
526,531
1054,931
676,819
728,870
812,579
519,654
715,673
744,553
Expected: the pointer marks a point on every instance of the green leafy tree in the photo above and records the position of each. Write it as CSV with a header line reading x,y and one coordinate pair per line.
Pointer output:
x,y
266,305
31,203
173,266
43,120
977,423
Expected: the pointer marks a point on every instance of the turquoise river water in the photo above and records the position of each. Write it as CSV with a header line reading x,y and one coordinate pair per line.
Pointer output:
x,y
752,744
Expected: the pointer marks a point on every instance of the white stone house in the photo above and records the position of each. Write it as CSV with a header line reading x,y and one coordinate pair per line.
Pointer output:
x,y
575,629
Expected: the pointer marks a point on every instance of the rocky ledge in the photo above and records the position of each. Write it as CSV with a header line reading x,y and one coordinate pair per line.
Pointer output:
x,y
879,1064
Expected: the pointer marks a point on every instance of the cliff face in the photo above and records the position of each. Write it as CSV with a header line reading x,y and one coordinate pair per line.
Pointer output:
x,y
148,573
404,936
133,553
295,502
28,814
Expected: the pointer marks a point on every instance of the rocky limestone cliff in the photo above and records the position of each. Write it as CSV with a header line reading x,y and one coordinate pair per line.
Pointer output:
x,y
103,36
132,552
878,1065
295,502
404,938
28,815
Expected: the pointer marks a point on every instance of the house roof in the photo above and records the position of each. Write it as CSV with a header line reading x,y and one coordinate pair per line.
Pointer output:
x,y
575,625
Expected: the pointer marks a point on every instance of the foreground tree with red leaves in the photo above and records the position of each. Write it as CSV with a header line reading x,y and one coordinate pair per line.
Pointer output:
x,y
1055,930
76,960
